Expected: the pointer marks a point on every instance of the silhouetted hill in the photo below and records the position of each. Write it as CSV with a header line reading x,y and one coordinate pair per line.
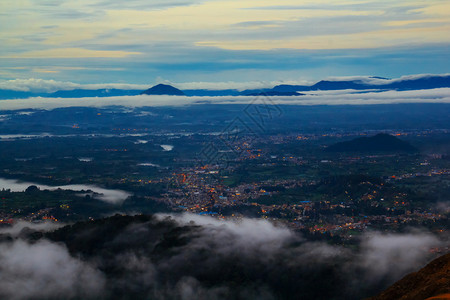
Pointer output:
x,y
325,85
163,89
291,88
431,282
213,93
379,143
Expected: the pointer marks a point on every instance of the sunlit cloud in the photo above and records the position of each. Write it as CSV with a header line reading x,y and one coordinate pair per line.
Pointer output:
x,y
72,53
44,71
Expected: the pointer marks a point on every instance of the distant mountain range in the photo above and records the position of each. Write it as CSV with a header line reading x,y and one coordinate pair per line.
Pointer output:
x,y
419,83
362,84
379,143
274,93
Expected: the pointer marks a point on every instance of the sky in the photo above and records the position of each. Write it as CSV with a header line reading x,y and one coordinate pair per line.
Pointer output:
x,y
222,41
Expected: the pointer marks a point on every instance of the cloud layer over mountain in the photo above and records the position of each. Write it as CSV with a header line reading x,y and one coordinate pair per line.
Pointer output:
x,y
186,256
341,97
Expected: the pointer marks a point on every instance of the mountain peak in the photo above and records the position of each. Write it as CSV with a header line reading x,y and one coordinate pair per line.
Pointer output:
x,y
381,142
163,89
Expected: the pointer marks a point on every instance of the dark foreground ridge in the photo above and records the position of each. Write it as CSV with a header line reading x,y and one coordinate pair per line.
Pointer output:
x,y
379,143
212,263
431,282
177,257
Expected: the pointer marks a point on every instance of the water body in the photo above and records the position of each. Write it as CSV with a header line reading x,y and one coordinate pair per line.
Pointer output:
x,y
49,135
148,165
141,142
18,136
167,147
85,159
107,195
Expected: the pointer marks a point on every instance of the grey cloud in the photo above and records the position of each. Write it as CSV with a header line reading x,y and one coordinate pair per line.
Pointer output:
x,y
366,6
49,86
443,207
55,10
257,23
143,5
395,254
107,195
45,270
36,85
240,235
49,27
15,230
200,258
51,3
305,26
441,95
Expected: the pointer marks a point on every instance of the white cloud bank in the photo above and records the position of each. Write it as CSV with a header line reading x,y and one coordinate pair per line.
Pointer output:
x,y
50,86
441,95
381,81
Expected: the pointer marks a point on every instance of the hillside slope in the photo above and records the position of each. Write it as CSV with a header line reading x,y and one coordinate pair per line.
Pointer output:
x,y
431,282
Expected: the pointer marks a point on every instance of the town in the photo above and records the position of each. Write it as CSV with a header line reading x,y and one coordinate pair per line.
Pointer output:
x,y
287,178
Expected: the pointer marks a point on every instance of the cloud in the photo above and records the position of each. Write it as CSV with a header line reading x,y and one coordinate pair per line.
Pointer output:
x,y
17,228
394,255
188,256
71,53
441,95
50,86
143,5
239,235
37,85
45,270
443,207
183,62
188,38
107,195
382,81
